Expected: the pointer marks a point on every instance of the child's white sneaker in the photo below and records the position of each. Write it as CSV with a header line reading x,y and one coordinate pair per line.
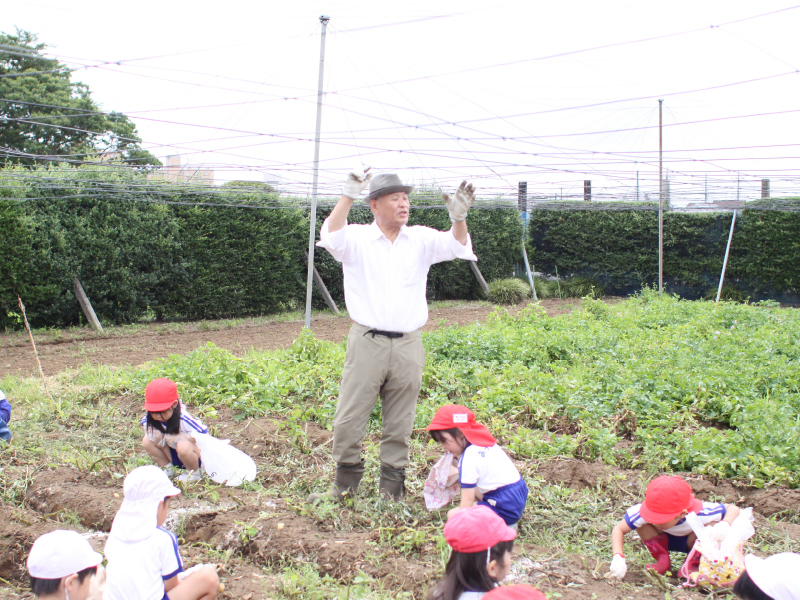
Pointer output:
x,y
191,476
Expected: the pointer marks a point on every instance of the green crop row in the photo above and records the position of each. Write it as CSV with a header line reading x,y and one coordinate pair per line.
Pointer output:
x,y
652,383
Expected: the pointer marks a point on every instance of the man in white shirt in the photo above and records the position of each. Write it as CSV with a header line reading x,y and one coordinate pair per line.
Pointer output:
x,y
385,268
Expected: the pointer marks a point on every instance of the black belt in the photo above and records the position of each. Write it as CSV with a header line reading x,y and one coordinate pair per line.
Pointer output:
x,y
388,334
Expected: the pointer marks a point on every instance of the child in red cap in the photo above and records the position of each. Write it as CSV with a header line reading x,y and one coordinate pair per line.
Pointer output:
x,y
168,430
661,523
486,473
481,556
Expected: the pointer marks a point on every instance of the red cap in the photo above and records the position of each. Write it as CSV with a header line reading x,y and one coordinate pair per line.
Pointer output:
x,y
666,498
476,529
455,415
520,591
160,394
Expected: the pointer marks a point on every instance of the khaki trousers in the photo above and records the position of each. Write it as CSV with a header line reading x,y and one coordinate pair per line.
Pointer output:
x,y
385,367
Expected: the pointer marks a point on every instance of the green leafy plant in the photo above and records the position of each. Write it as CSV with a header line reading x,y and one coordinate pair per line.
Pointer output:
x,y
508,291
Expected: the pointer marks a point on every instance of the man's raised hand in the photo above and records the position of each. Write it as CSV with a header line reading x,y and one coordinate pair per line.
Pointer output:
x,y
458,204
357,180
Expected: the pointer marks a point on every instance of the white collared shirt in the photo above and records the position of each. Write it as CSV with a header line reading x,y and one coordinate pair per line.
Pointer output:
x,y
384,282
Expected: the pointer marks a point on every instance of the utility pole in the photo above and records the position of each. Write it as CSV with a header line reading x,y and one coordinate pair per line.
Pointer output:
x,y
660,208
637,185
313,227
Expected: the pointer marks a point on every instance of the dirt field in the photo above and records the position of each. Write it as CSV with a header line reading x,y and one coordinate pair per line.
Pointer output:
x,y
258,533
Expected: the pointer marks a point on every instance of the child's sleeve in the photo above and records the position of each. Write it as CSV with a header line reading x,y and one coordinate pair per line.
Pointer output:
x,y
171,562
632,517
712,512
5,408
468,474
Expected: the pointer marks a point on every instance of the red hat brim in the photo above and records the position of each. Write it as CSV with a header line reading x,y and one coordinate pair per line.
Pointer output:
x,y
478,434
158,406
657,518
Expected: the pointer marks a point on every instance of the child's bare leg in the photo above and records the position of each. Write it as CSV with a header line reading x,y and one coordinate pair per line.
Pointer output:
x,y
156,452
203,585
189,454
690,540
647,532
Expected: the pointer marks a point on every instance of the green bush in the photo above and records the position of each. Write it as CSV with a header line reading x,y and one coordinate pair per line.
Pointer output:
x,y
508,291
146,249
618,250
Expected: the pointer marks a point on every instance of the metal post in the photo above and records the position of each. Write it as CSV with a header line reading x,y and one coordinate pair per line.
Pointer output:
x,y
660,210
765,189
737,186
725,262
313,227
637,185
587,190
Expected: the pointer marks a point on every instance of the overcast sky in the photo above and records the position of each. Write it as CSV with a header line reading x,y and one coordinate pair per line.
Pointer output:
x,y
437,90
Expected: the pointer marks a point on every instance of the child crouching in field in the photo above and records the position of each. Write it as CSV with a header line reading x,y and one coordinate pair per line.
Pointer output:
x,y
486,473
61,565
481,556
168,430
661,523
143,558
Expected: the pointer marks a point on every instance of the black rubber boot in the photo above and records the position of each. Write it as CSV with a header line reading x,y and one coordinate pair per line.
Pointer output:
x,y
392,483
345,483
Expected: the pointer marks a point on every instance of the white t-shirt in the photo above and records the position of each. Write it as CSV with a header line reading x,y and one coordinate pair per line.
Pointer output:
x,y
189,426
486,468
137,570
472,595
384,282
712,512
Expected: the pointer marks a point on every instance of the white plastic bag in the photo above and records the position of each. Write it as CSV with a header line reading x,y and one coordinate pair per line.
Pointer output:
x,y
224,463
713,564
442,485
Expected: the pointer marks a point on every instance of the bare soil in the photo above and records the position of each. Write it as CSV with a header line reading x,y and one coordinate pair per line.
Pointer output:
x,y
71,349
260,535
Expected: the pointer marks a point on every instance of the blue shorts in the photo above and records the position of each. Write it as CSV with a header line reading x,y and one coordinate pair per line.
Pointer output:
x,y
507,501
678,543
176,460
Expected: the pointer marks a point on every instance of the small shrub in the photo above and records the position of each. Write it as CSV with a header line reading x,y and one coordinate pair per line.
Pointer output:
x,y
543,289
728,294
508,291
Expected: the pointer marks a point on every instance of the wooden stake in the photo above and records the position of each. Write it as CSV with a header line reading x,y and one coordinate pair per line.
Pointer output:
x,y
83,300
36,354
479,276
323,290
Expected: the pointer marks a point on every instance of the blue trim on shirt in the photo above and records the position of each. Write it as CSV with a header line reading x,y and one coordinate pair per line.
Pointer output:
x,y
630,521
466,486
193,424
710,512
174,541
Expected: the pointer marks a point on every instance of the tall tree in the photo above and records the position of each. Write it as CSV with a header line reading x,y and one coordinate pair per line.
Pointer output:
x,y
45,116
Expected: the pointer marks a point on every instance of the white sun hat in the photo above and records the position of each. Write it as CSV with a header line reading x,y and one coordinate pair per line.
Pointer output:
x,y
777,576
61,553
144,487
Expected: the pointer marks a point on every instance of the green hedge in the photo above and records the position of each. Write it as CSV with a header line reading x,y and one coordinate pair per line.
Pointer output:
x,y
144,248
619,250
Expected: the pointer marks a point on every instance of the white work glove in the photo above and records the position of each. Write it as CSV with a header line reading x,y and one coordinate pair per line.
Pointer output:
x,y
357,180
619,567
720,530
183,575
459,203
